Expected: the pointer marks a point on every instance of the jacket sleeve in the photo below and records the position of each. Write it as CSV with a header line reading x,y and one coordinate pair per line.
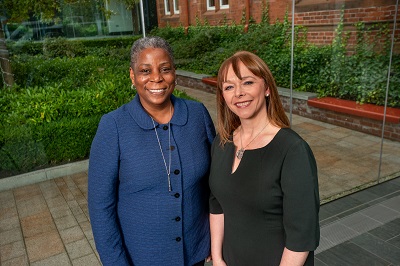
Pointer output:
x,y
102,193
209,124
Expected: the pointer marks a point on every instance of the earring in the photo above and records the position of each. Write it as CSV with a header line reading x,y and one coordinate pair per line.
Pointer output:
x,y
133,86
267,95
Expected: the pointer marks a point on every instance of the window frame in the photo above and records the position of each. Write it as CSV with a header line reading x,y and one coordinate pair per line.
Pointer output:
x,y
209,7
222,6
167,9
175,3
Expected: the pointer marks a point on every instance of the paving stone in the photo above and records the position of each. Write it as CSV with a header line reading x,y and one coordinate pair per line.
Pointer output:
x,y
9,223
20,261
89,260
12,250
37,224
65,222
71,234
32,206
59,259
378,247
43,246
79,249
349,254
10,236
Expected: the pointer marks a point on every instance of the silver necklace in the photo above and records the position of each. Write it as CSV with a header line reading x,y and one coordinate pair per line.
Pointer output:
x,y
240,152
167,169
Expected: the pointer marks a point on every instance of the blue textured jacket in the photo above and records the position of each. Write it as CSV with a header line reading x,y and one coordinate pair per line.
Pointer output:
x,y
135,219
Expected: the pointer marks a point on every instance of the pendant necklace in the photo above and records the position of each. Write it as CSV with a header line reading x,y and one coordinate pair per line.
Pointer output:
x,y
167,169
240,152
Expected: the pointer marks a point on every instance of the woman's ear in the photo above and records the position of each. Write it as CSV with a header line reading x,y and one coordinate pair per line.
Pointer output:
x,y
267,92
132,75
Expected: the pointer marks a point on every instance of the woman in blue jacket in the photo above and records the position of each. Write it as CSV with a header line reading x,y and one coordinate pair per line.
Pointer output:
x,y
148,169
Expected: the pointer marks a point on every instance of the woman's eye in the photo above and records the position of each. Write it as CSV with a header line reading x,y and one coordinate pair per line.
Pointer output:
x,y
145,71
248,83
227,88
165,70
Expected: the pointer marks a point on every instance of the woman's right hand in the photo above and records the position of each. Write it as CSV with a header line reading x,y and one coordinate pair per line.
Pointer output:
x,y
219,262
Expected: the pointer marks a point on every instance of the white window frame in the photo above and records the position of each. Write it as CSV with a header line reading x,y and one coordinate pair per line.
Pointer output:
x,y
221,6
209,7
166,7
176,6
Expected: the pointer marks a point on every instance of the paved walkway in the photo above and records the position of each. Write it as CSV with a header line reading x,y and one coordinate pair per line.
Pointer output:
x,y
47,223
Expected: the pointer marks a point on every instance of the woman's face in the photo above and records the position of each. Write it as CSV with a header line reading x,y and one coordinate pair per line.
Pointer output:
x,y
153,75
245,97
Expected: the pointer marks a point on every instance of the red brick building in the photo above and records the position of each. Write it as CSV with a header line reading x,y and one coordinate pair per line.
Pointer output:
x,y
321,17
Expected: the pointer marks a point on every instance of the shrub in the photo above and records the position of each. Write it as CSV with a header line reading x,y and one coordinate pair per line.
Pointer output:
x,y
68,73
25,148
61,47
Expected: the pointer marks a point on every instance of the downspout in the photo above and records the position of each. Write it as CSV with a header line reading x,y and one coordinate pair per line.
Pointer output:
x,y
246,26
187,18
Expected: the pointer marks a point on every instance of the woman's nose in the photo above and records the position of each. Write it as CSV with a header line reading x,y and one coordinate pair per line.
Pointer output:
x,y
156,77
239,92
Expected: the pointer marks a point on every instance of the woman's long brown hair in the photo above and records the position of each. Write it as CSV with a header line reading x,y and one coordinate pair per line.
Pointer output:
x,y
228,121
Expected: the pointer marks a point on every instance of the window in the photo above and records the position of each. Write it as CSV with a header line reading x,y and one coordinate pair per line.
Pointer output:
x,y
223,4
166,7
211,4
176,6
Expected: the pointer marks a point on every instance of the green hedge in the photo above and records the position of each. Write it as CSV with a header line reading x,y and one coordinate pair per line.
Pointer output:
x,y
25,148
86,45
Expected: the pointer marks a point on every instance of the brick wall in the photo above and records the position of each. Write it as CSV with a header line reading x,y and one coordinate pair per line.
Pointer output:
x,y
322,23
319,16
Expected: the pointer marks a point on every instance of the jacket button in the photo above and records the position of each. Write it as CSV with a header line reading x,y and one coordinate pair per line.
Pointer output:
x,y
177,218
177,195
165,127
178,239
177,172
172,148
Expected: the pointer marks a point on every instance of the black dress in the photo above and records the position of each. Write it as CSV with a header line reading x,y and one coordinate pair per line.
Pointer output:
x,y
270,202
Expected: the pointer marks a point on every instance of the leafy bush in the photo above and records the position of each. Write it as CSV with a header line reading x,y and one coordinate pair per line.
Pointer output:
x,y
61,47
69,73
25,148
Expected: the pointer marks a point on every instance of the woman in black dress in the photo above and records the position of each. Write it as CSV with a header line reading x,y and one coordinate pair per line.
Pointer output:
x,y
264,199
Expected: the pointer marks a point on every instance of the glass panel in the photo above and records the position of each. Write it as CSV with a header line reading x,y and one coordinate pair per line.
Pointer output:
x,y
176,6
390,155
224,3
341,54
210,4
167,9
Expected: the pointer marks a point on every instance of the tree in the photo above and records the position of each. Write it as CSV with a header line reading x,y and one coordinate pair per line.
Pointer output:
x,y
17,11
22,10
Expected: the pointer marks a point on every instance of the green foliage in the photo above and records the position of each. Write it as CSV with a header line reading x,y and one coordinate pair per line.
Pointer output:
x,y
97,46
25,148
51,114
67,73
333,70
362,76
19,151
61,47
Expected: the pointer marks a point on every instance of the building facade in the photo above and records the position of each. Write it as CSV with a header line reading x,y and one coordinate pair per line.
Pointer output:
x,y
320,17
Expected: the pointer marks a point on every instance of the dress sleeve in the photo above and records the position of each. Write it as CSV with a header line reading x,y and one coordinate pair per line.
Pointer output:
x,y
215,206
299,181
102,193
